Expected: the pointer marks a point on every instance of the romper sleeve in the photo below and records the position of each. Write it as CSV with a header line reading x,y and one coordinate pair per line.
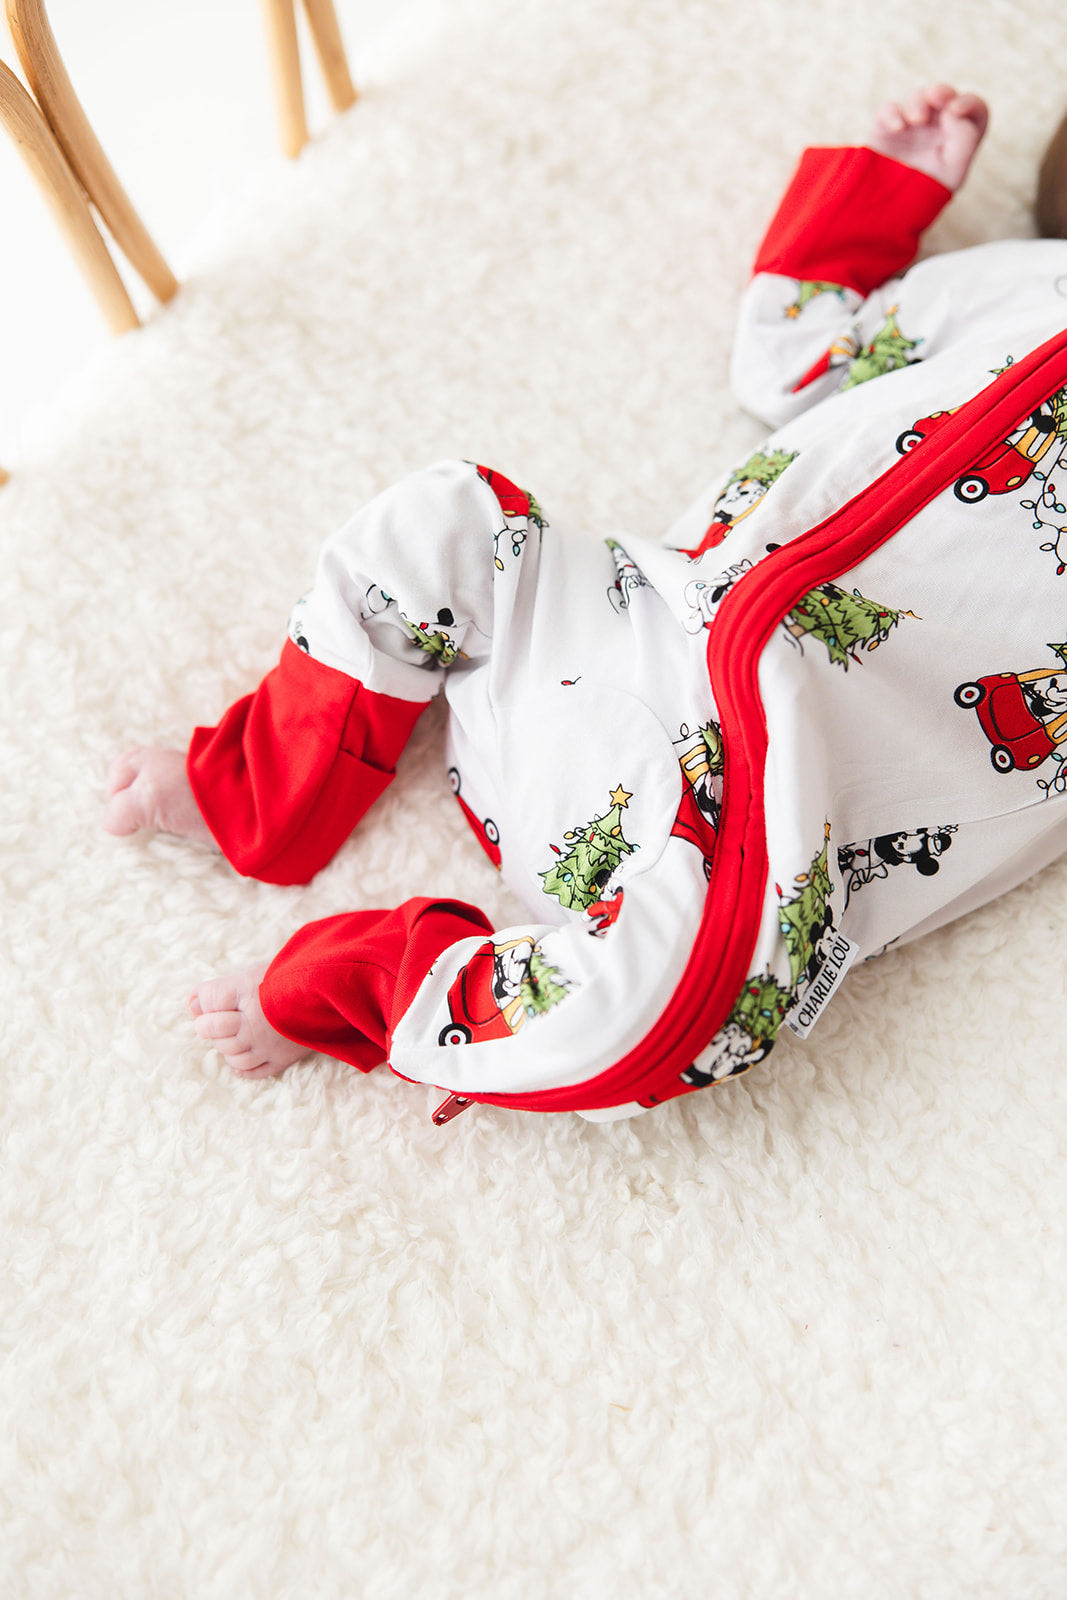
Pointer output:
x,y
826,271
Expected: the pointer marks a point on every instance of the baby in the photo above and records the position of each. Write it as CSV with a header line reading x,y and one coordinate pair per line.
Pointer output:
x,y
677,753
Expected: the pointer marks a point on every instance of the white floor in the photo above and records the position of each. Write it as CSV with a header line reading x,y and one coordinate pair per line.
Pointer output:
x,y
180,98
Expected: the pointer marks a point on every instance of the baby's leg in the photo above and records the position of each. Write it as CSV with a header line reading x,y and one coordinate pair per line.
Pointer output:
x,y
337,987
148,787
229,1016
403,591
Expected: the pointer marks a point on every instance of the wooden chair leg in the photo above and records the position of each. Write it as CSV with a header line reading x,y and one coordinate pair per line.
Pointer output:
x,y
285,68
329,47
27,127
47,77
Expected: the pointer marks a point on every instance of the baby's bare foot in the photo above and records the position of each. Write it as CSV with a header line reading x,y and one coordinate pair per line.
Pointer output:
x,y
228,1015
147,787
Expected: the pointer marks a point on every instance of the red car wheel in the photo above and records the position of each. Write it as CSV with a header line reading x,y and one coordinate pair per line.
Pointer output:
x,y
969,695
971,490
908,440
1002,758
455,1033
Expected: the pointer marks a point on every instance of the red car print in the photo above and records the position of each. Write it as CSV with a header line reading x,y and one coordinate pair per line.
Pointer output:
x,y
692,824
486,832
484,1001
1019,739
603,914
699,808
1006,467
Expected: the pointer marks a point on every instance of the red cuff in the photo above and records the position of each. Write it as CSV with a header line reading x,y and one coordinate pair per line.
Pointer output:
x,y
342,984
850,217
288,772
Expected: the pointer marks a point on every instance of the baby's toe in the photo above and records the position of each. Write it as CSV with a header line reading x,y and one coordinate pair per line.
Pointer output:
x,y
250,1064
122,814
122,771
259,1066
216,994
219,1026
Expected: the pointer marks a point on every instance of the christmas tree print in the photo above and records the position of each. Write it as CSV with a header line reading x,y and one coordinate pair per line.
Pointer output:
x,y
711,734
845,623
763,468
760,1008
578,878
431,638
543,987
743,492
805,918
810,290
747,1035
888,350
433,641
701,755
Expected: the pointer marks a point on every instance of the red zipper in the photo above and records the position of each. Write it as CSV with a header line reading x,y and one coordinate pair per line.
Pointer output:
x,y
744,623
449,1108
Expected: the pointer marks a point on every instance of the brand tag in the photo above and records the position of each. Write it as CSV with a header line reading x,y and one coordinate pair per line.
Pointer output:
x,y
807,1007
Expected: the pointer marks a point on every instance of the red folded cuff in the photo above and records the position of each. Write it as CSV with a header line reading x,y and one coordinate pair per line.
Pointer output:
x,y
850,217
288,772
342,984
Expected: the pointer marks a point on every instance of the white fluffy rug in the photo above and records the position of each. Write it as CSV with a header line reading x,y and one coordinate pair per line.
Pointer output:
x,y
802,1336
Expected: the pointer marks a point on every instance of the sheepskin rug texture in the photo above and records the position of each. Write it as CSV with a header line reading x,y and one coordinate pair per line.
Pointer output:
x,y
799,1336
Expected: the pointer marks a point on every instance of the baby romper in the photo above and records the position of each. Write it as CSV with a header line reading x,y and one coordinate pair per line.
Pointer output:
x,y
825,716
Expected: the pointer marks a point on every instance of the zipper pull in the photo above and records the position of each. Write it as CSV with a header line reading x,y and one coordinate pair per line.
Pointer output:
x,y
449,1108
